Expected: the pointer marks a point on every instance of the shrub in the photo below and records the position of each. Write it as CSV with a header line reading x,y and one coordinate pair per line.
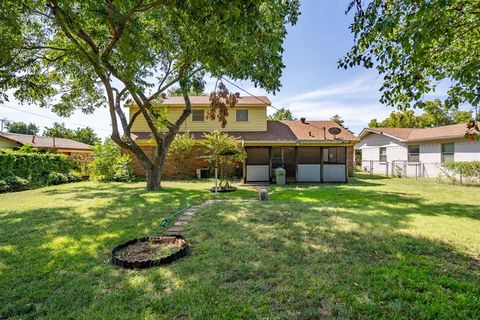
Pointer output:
x,y
468,171
34,167
109,164
56,178
123,169
180,151
74,176
14,183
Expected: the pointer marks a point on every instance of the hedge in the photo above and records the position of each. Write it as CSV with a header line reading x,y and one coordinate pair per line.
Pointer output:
x,y
469,171
35,167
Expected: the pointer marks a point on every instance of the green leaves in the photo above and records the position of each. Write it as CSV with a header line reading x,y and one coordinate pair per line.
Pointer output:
x,y
415,44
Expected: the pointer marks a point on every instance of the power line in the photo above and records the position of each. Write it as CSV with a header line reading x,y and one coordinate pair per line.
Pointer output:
x,y
55,119
256,97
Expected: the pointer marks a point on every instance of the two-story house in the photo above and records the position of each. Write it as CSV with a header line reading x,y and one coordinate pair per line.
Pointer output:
x,y
306,149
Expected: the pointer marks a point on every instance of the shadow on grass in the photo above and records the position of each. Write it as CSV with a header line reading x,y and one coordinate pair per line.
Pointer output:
x,y
336,254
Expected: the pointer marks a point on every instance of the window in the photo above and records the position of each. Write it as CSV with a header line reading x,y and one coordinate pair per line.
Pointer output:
x,y
448,151
414,153
334,155
383,154
242,115
198,115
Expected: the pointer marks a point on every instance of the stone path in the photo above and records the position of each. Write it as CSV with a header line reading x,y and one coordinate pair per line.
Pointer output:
x,y
188,215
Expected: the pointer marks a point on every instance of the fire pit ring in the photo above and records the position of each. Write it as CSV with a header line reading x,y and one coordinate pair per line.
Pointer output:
x,y
176,239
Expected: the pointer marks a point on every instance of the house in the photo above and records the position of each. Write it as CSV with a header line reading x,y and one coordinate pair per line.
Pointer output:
x,y
415,152
307,149
66,146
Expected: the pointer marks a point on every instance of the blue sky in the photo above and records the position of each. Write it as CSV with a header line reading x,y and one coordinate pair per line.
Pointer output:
x,y
312,86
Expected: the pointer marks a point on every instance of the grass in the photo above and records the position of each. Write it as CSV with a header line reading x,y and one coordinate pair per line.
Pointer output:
x,y
373,248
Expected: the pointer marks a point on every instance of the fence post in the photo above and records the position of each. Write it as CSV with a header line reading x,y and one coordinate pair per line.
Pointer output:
x,y
461,179
371,167
386,167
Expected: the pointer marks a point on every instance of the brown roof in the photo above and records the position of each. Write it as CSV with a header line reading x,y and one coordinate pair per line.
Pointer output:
x,y
420,134
45,142
293,131
205,100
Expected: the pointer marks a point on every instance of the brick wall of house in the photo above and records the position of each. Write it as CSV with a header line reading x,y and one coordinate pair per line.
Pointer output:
x,y
170,169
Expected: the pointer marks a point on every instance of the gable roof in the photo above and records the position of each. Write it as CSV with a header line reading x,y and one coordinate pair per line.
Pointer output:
x,y
205,101
283,130
420,134
45,142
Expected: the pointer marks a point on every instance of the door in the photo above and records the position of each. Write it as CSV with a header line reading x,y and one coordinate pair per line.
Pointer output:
x,y
289,161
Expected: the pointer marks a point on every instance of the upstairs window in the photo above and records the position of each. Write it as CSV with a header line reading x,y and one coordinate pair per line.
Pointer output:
x,y
198,115
242,115
448,152
383,154
414,153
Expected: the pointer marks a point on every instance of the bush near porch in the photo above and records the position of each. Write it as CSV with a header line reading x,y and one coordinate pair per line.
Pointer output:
x,y
372,248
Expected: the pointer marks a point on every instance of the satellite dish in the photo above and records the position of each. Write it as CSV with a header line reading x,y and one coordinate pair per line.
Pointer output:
x,y
334,131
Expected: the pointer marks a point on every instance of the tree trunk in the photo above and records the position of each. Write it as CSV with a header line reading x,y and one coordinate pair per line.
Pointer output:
x,y
154,176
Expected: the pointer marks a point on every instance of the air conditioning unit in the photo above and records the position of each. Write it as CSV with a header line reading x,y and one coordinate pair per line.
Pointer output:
x,y
202,173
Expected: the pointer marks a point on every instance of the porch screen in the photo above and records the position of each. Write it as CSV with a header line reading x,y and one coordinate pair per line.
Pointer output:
x,y
256,156
308,155
334,155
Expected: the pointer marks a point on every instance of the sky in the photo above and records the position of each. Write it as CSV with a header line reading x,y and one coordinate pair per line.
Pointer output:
x,y
312,85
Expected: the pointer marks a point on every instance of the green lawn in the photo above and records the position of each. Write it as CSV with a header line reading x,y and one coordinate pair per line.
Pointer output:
x,y
373,248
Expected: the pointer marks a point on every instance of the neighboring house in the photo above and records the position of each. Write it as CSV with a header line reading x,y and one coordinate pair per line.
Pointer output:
x,y
65,146
306,149
415,152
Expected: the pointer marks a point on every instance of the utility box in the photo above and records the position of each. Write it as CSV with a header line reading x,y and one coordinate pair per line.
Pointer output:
x,y
280,176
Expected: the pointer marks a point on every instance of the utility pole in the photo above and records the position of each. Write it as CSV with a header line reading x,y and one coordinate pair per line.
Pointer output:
x,y
2,121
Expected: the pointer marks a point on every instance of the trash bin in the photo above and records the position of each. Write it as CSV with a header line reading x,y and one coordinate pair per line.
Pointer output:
x,y
280,176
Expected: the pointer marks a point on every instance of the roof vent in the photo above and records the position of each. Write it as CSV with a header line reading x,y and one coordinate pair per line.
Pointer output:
x,y
33,139
303,119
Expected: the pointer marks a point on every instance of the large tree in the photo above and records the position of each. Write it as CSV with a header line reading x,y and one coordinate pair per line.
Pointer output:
x,y
83,54
416,44
85,135
22,127
281,114
435,113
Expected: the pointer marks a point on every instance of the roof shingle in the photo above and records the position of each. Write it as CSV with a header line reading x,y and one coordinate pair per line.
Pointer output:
x,y
281,131
45,142
205,100
420,134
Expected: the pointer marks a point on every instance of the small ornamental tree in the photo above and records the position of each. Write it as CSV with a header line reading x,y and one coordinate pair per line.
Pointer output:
x,y
86,54
109,164
224,153
181,151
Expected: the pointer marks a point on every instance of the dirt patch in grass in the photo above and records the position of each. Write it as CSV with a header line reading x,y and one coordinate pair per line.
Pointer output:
x,y
149,250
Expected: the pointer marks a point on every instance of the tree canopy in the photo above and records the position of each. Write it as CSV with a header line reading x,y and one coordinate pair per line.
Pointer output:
x,y
281,114
435,113
85,54
85,135
415,45
22,127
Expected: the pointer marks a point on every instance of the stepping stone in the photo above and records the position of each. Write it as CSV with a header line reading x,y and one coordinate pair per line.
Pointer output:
x,y
180,223
175,229
185,218
189,213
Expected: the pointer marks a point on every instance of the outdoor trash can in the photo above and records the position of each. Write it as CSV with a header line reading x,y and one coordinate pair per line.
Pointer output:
x,y
280,176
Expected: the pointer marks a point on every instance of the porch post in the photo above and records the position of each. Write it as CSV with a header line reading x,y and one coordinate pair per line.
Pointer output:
x,y
270,164
346,164
296,164
321,163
